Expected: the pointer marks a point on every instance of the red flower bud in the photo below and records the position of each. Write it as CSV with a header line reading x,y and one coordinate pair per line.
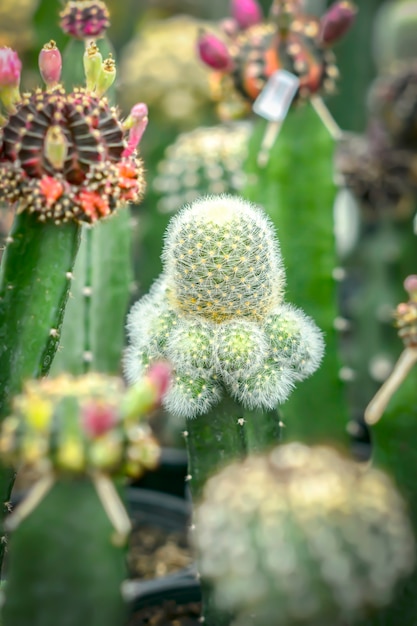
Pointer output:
x,y
410,285
50,64
246,12
336,22
10,68
98,418
159,375
213,52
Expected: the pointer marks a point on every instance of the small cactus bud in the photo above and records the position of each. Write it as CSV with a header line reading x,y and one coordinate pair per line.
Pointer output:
x,y
93,62
56,147
107,76
136,123
302,536
10,70
247,13
410,285
50,64
159,376
97,418
213,52
335,23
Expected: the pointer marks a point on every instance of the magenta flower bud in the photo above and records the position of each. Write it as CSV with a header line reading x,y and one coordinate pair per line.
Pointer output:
x,y
136,123
336,22
213,52
98,418
410,285
50,64
160,375
246,12
10,68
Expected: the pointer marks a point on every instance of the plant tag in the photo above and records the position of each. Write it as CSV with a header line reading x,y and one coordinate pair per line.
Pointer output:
x,y
275,98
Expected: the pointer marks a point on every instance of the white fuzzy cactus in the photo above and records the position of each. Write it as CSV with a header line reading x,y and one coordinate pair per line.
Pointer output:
x,y
217,312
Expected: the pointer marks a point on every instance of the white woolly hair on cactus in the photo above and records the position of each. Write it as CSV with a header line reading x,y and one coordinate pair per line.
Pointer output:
x,y
222,259
216,313
191,345
295,340
192,394
241,347
266,387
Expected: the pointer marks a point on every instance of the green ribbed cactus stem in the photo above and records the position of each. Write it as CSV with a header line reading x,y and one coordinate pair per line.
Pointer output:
x,y
297,190
92,336
302,536
35,280
63,565
224,434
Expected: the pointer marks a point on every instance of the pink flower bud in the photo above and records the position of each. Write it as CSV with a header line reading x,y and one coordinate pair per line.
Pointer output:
x,y
10,68
159,376
410,285
246,12
213,52
136,123
50,64
98,418
336,22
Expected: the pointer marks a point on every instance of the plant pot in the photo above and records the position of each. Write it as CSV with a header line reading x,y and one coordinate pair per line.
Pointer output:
x,y
166,601
169,476
158,547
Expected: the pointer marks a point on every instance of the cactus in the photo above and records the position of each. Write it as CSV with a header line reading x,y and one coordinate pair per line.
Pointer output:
x,y
217,314
63,161
302,536
76,435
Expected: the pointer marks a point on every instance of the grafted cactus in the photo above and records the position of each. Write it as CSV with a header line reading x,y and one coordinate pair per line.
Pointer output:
x,y
76,435
217,313
301,536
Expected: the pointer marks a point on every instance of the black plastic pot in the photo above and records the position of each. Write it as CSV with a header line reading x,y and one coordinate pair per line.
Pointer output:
x,y
169,476
158,593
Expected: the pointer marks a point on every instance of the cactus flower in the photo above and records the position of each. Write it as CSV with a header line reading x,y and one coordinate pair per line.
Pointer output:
x,y
246,13
50,64
213,52
136,123
335,23
62,155
85,19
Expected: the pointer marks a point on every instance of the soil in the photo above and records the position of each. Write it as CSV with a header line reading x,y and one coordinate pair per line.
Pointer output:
x,y
170,614
155,552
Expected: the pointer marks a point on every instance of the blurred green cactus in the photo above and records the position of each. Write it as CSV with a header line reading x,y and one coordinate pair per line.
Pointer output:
x,y
302,536
75,435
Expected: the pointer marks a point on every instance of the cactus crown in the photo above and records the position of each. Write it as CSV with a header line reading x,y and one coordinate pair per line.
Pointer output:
x,y
323,539
63,156
217,312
